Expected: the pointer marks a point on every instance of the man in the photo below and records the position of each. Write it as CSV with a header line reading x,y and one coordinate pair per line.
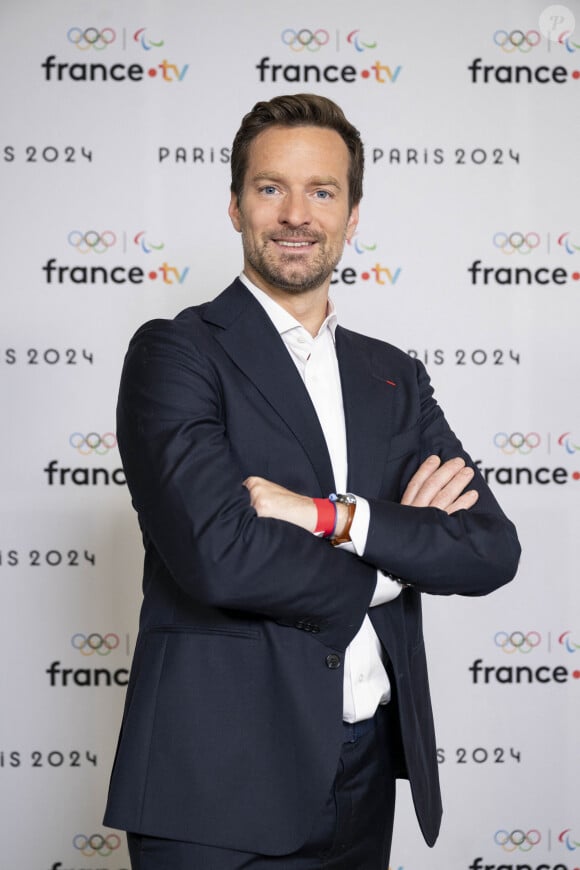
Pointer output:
x,y
279,684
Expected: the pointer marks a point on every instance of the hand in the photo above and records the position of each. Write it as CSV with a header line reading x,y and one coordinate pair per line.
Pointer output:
x,y
270,500
441,486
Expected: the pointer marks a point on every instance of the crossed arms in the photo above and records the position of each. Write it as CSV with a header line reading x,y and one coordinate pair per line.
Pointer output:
x,y
224,544
434,484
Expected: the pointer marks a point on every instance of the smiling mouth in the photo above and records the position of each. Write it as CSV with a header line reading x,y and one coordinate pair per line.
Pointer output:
x,y
294,245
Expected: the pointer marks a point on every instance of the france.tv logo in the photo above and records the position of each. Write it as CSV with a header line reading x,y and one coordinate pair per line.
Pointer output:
x,y
310,43
101,43
94,245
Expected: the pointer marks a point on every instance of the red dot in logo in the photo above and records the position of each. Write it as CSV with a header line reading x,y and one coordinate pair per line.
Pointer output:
x,y
365,276
152,72
576,276
576,475
153,275
365,73
576,675
576,74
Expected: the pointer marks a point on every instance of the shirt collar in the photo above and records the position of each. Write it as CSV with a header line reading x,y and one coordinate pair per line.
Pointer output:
x,y
282,320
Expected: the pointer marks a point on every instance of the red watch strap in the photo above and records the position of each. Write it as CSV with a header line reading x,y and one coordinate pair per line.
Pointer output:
x,y
326,516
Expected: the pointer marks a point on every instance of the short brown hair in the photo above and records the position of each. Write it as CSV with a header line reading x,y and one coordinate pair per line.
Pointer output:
x,y
298,110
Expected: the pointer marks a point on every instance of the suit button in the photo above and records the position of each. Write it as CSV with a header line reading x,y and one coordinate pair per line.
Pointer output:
x,y
333,661
307,626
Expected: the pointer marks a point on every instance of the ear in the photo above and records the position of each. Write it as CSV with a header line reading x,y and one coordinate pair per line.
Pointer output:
x,y
352,223
234,212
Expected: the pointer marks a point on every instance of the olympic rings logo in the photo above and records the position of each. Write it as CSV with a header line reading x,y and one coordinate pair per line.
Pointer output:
x,y
93,241
512,840
91,37
96,844
93,443
517,40
519,242
517,641
95,643
301,39
517,442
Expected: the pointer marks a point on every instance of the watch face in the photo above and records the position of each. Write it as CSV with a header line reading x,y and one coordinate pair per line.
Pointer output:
x,y
343,498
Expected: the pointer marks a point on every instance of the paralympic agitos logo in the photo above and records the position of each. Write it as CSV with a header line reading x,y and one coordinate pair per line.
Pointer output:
x,y
94,48
371,270
105,243
517,255
305,45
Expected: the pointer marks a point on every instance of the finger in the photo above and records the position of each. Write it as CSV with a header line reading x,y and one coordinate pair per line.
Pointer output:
x,y
255,489
251,482
452,490
425,470
464,502
438,480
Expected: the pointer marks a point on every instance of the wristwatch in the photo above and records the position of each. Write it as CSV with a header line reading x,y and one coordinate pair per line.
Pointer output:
x,y
350,501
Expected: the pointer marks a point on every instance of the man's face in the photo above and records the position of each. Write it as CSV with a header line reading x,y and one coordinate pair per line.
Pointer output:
x,y
293,213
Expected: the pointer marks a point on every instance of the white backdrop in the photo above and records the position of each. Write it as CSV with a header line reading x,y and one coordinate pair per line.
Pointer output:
x,y
117,120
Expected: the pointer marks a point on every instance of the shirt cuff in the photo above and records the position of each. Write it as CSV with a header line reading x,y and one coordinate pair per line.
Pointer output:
x,y
360,525
387,587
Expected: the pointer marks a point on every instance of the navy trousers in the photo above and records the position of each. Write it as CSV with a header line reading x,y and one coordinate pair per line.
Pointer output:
x,y
353,832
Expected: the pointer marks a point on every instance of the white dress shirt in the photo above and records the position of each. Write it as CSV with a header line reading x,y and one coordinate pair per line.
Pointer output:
x,y
366,684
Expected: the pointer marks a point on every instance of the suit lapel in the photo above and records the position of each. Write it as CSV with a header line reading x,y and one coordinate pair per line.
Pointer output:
x,y
369,398
249,338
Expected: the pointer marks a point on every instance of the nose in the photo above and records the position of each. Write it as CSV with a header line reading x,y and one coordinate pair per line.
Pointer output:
x,y
295,210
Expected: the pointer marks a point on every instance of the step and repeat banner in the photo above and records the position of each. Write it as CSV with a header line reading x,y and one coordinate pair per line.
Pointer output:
x,y
117,123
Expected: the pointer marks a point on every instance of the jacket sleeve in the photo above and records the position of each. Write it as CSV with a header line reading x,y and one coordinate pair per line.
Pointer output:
x,y
470,552
186,486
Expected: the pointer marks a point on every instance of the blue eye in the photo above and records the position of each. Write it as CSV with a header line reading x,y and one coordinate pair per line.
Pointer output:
x,y
323,194
269,189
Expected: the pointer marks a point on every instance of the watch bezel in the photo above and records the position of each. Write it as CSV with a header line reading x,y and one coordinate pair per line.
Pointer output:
x,y
343,497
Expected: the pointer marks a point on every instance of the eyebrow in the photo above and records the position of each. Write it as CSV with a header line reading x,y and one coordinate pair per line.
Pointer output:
x,y
313,181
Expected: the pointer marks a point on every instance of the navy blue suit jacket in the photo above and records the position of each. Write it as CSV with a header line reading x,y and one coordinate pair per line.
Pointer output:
x,y
232,726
